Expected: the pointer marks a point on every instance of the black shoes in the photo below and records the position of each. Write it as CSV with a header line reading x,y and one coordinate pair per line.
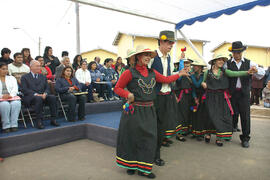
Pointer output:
x,y
5,130
40,125
165,144
150,176
169,141
245,144
159,162
130,172
207,140
219,143
14,129
81,119
54,123
236,130
182,139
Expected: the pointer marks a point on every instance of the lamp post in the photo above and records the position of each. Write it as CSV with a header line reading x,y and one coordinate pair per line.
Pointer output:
x,y
25,32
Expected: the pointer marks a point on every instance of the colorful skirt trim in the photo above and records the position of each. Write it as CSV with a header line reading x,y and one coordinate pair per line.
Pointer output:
x,y
226,135
169,133
134,165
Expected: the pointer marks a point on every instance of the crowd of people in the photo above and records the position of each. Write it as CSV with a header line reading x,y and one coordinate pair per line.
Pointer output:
x,y
37,82
164,98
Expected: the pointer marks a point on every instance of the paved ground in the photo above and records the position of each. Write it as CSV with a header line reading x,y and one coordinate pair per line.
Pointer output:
x,y
192,160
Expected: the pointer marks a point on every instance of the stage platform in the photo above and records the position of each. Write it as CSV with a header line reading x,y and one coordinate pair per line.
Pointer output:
x,y
101,124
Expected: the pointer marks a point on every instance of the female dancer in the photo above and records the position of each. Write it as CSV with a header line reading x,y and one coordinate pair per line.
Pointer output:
x,y
137,133
217,97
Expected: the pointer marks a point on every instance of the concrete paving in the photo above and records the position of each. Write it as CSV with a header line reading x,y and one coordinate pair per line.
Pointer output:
x,y
191,160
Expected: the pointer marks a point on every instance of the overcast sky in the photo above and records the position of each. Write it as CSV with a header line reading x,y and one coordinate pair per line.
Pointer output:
x,y
54,22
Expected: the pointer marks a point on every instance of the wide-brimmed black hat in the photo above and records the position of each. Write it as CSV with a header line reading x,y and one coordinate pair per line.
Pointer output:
x,y
237,46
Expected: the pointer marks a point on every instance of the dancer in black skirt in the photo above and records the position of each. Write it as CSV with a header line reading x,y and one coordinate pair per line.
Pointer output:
x,y
183,91
199,114
218,99
137,133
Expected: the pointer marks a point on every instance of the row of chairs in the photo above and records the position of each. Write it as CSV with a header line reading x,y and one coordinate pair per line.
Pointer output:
x,y
29,112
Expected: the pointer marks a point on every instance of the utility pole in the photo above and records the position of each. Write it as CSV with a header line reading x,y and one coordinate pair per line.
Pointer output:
x,y
33,39
39,44
77,27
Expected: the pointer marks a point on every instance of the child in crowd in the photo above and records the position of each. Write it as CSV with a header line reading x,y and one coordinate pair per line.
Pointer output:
x,y
266,95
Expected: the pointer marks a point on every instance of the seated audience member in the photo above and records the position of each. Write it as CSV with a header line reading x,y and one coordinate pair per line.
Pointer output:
x,y
65,62
36,92
5,53
119,61
97,77
64,53
67,86
46,71
119,69
110,76
130,52
84,78
77,61
97,60
26,56
266,95
17,68
10,104
50,60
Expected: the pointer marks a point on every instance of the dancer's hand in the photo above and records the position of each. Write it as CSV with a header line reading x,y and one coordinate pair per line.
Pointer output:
x,y
252,70
183,72
196,101
130,97
204,85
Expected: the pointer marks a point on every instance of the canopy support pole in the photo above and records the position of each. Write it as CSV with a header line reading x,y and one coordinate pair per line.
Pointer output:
x,y
122,10
78,43
174,47
192,46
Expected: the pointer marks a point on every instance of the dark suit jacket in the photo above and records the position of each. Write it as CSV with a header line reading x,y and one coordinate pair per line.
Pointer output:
x,y
30,86
62,85
58,71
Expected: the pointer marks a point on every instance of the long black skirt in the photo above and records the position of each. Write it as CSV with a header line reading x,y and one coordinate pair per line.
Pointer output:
x,y
137,139
220,114
184,113
200,120
166,107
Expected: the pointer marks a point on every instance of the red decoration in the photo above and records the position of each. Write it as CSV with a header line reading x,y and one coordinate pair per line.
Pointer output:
x,y
184,49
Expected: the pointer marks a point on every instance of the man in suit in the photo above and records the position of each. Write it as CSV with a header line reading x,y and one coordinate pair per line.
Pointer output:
x,y
65,62
240,88
37,92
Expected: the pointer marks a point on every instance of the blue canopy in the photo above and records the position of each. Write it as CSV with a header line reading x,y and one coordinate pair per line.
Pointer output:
x,y
228,11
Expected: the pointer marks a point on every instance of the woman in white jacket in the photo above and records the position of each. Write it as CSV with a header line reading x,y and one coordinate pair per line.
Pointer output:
x,y
10,103
84,78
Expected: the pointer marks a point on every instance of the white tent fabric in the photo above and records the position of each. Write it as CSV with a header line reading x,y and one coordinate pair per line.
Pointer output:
x,y
178,12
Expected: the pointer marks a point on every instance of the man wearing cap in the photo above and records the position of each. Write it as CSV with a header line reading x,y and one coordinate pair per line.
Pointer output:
x,y
165,102
240,88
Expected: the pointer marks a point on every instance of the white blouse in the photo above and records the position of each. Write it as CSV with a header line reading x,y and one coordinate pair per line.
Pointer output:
x,y
83,76
12,86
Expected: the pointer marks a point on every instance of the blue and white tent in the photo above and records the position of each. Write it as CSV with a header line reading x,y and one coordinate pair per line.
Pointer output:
x,y
177,12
